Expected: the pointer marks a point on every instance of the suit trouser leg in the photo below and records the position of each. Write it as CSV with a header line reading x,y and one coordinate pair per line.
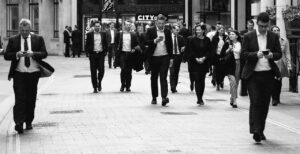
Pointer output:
x,y
174,71
163,74
123,66
19,86
67,50
109,55
233,87
260,89
93,69
32,83
199,84
100,67
155,64
277,89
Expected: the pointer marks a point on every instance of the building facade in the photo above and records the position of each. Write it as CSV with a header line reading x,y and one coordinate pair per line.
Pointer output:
x,y
49,17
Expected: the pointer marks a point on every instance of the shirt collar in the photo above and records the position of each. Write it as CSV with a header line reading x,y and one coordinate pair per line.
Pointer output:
x,y
259,34
160,30
29,36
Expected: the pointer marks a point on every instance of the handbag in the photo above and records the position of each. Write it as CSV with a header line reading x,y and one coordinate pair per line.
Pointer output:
x,y
46,69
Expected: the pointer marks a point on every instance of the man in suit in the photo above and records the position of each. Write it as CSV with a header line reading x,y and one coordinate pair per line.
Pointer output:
x,y
76,41
178,43
67,36
160,56
250,27
96,46
26,51
111,39
127,45
259,50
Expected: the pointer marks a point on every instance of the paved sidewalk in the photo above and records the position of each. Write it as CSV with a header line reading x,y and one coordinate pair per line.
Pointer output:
x,y
71,119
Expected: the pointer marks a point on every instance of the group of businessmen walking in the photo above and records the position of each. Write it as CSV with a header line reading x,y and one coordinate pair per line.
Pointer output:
x,y
164,50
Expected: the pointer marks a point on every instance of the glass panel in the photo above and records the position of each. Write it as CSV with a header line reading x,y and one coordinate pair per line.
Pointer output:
x,y
12,20
56,32
34,17
12,1
159,1
34,1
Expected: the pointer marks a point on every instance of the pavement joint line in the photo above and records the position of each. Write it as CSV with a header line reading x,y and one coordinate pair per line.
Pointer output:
x,y
15,138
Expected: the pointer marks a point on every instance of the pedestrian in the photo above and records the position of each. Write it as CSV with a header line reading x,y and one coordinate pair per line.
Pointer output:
x,y
198,53
111,34
232,49
127,41
67,37
178,43
144,46
250,27
284,65
259,50
26,51
77,41
160,54
96,46
218,42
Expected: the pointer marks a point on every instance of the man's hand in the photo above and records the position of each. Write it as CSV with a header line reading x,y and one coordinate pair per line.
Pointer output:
x,y
20,54
182,49
269,56
28,54
171,63
260,54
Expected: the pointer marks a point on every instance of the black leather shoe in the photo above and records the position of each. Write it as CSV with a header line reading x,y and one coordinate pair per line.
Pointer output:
x,y
174,90
262,136
244,94
257,137
154,101
122,88
200,102
95,90
19,128
128,89
234,106
99,88
275,102
165,101
222,85
28,126
192,87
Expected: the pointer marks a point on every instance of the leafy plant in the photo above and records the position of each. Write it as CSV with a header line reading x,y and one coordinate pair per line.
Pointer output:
x,y
291,13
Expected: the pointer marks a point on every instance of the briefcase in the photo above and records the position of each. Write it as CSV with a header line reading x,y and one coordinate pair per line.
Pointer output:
x,y
45,69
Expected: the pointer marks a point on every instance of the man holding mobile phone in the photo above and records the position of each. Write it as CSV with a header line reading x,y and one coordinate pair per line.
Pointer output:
x,y
259,50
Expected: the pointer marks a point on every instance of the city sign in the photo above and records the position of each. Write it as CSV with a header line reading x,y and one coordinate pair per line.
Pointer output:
x,y
146,17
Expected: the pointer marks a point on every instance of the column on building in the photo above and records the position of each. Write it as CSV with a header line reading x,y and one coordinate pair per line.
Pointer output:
x,y
241,14
280,5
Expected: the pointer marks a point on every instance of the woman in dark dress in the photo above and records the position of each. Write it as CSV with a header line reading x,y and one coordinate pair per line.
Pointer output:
x,y
198,54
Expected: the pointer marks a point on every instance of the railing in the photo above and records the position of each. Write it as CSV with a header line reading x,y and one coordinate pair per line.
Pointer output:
x,y
294,41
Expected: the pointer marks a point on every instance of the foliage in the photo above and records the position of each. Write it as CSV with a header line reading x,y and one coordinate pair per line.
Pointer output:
x,y
291,13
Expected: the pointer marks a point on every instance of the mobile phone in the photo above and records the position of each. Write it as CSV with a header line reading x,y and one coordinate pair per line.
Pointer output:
x,y
265,52
161,37
24,52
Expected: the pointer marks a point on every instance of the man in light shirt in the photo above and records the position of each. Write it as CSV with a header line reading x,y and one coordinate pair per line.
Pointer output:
x,y
111,42
160,54
260,49
96,46
127,44
26,50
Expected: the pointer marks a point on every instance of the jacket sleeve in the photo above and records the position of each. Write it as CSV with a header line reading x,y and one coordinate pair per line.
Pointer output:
x,y
245,53
277,54
42,53
10,54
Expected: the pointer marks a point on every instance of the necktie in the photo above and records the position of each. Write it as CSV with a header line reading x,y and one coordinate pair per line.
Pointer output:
x,y
27,60
175,44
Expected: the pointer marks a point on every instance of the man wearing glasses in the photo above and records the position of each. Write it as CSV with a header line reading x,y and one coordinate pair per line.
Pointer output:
x,y
259,50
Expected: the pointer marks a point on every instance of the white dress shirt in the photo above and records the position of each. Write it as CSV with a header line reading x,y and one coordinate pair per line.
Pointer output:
x,y
262,63
161,48
220,45
34,66
236,48
126,45
97,42
173,40
112,34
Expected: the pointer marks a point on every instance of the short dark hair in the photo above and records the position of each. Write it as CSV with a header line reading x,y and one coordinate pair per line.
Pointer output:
x,y
213,27
95,22
250,22
263,17
161,17
203,27
274,26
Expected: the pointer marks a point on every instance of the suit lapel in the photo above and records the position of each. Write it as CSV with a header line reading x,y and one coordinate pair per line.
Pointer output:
x,y
33,40
268,40
18,42
255,41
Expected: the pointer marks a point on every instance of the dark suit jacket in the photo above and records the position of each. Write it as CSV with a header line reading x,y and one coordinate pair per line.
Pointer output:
x,y
76,39
66,37
108,36
14,46
152,34
89,45
250,48
134,40
181,43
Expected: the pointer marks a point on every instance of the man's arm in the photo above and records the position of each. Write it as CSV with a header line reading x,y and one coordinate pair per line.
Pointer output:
x,y
10,54
245,53
42,53
277,51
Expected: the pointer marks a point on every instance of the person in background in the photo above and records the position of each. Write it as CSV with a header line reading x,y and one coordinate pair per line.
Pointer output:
x,y
232,49
25,51
67,37
212,33
77,41
284,65
160,55
111,34
218,42
178,43
259,50
1,45
127,42
198,54
250,27
96,46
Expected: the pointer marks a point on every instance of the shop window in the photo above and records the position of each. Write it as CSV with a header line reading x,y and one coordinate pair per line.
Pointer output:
x,y
34,15
12,17
160,2
56,26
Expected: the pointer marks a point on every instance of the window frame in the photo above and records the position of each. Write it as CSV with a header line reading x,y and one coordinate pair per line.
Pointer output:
x,y
9,23
56,19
